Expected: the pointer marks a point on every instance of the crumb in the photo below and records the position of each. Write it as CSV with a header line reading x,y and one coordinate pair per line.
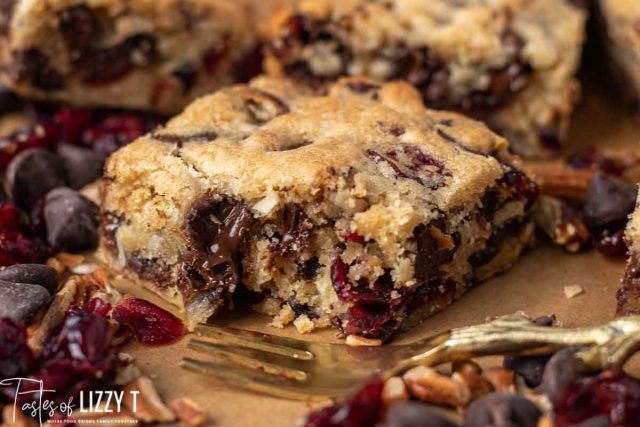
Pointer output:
x,y
284,317
303,324
573,291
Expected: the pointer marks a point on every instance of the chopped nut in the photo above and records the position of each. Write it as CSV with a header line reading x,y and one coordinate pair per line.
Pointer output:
x,y
189,412
477,384
394,391
126,374
56,265
501,379
546,421
54,315
147,407
556,179
561,223
100,276
573,291
431,386
466,367
358,341
15,419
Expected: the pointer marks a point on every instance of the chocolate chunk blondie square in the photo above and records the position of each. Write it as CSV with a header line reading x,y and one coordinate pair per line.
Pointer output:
x,y
358,208
620,26
629,294
510,63
153,55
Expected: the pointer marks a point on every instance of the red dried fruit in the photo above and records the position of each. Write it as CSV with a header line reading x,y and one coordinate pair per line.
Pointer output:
x,y
15,248
615,395
362,410
97,306
16,358
352,236
78,357
113,132
10,217
613,245
149,323
596,160
72,123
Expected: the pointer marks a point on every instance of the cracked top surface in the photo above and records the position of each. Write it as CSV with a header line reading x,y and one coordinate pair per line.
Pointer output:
x,y
272,142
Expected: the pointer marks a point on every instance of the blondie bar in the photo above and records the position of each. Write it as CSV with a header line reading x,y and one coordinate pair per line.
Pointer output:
x,y
358,208
510,63
629,294
155,55
620,28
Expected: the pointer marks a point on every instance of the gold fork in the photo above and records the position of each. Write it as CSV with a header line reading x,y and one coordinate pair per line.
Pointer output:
x,y
301,370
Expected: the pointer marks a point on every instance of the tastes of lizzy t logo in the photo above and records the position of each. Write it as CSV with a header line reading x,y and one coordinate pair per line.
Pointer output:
x,y
97,403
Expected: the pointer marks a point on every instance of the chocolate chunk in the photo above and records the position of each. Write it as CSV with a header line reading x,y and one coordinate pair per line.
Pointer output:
x,y
530,368
435,248
217,228
110,64
414,414
33,274
77,25
187,74
20,302
32,174
82,166
9,101
71,219
33,66
559,374
294,231
502,410
609,201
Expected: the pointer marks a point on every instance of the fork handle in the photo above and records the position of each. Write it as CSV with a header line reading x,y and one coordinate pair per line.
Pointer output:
x,y
607,346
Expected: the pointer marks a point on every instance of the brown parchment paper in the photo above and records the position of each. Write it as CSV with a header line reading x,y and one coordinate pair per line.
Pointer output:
x,y
535,285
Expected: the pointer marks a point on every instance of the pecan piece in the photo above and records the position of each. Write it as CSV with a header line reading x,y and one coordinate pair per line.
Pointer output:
x,y
148,406
431,386
561,223
557,179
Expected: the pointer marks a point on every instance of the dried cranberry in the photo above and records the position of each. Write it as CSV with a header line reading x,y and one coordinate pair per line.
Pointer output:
x,y
15,248
615,395
362,410
72,123
16,358
149,323
613,244
596,160
113,132
78,357
97,306
10,217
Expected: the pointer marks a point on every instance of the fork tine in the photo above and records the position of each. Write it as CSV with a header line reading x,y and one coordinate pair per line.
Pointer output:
x,y
246,358
260,382
287,347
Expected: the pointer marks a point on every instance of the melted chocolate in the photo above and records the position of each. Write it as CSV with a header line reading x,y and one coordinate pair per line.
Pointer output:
x,y
216,229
